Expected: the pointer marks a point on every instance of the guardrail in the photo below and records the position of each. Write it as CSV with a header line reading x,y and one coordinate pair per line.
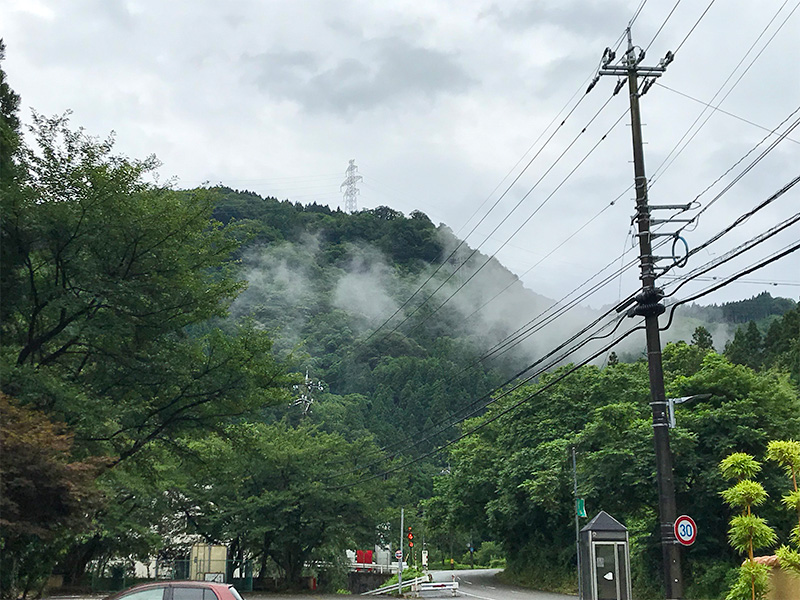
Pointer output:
x,y
397,587
435,587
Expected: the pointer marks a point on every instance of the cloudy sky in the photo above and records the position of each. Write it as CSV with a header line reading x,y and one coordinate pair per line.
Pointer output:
x,y
438,102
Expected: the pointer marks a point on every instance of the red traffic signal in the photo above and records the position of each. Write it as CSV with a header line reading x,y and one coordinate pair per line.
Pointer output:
x,y
410,536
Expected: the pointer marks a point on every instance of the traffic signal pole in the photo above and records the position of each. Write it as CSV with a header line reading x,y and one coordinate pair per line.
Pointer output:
x,y
648,305
400,560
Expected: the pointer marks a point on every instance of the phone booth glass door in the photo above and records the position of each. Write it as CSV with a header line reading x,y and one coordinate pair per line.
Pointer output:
x,y
611,571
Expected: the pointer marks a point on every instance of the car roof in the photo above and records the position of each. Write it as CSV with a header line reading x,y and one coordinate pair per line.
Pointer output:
x,y
171,583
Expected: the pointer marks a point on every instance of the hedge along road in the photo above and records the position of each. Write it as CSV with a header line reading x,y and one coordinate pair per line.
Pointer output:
x,y
482,584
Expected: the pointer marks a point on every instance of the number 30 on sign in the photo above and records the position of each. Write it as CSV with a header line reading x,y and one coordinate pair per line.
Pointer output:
x,y
685,530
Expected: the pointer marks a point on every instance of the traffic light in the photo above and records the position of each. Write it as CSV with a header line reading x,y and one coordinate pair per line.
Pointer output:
x,y
410,536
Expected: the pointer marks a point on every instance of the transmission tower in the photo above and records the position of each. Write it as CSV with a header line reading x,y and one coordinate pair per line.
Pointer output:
x,y
305,389
351,178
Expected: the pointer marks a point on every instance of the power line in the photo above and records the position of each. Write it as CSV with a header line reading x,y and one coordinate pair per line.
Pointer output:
x,y
539,207
750,281
518,338
751,243
689,277
756,266
479,402
717,109
636,13
548,255
667,162
787,250
700,18
490,420
463,241
646,48
744,171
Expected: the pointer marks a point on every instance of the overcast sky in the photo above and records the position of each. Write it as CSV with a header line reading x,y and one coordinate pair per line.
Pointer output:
x,y
437,101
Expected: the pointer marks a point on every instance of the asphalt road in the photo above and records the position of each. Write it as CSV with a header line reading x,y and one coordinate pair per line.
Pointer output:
x,y
478,583
482,584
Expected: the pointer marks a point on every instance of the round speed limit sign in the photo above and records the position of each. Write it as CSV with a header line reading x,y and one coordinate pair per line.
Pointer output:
x,y
685,530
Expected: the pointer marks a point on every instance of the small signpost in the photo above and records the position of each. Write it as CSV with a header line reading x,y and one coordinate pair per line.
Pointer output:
x,y
399,555
685,530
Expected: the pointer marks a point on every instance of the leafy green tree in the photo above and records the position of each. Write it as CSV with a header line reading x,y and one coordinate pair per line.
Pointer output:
x,y
114,289
702,338
9,122
755,308
110,273
787,454
513,477
747,532
747,346
782,343
283,494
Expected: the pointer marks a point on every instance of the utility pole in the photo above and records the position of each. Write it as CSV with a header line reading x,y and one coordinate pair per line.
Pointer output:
x,y
648,305
577,523
400,560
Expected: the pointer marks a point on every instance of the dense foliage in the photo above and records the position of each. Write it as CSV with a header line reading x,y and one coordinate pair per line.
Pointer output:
x,y
512,480
779,347
113,348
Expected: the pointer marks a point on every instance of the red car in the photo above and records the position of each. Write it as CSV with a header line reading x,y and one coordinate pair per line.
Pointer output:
x,y
178,590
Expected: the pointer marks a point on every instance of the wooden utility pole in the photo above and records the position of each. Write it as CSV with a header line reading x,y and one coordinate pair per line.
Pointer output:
x,y
648,305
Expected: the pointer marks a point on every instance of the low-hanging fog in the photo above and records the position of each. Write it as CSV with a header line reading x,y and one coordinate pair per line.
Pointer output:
x,y
482,301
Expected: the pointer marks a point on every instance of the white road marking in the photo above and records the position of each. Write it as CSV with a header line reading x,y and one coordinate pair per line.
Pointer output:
x,y
475,596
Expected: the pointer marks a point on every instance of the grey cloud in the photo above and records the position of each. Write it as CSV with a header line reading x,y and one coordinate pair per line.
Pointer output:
x,y
392,71
580,17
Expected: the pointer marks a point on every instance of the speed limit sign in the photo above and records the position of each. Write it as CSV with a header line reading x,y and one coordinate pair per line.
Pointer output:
x,y
685,530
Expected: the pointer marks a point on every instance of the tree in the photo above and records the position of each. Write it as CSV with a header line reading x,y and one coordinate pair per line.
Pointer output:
x,y
282,494
44,494
9,122
748,532
782,343
787,454
702,338
747,346
110,274
114,289
9,143
512,478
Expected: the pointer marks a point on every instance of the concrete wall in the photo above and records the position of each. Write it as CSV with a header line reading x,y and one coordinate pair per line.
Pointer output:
x,y
783,585
361,582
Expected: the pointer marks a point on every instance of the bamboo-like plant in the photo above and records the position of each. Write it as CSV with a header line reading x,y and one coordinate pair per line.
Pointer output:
x,y
747,532
787,454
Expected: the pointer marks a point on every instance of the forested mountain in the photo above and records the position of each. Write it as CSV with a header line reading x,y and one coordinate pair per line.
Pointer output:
x,y
333,289
155,343
760,308
778,347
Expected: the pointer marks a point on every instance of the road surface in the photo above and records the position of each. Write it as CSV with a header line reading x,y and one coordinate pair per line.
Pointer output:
x,y
480,584
483,585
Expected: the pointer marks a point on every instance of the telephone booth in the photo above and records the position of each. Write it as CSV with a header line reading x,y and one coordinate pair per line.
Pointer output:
x,y
605,560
